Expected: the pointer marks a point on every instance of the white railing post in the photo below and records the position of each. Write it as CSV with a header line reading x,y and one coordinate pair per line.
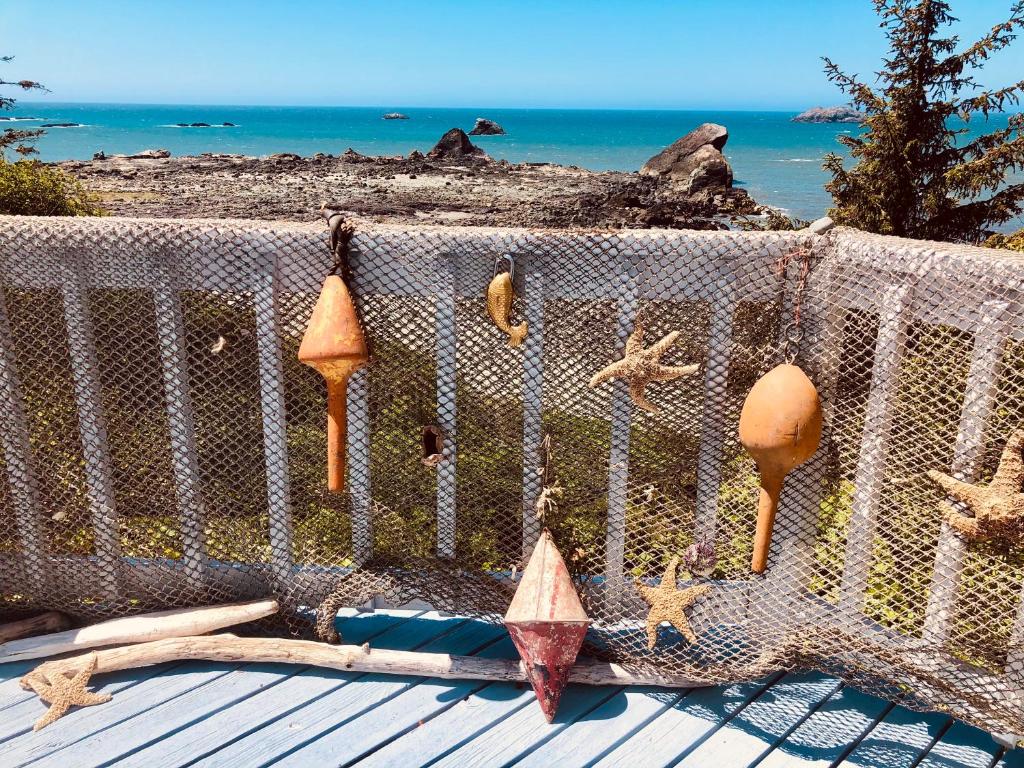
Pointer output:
x,y
894,317
533,406
989,341
446,350
91,425
618,452
716,383
358,452
170,331
272,407
18,463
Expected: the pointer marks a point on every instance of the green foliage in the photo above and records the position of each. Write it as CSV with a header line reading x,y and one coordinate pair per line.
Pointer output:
x,y
1014,242
916,175
29,188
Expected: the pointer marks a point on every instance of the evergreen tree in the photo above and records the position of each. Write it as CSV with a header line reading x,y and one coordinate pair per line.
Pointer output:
x,y
916,172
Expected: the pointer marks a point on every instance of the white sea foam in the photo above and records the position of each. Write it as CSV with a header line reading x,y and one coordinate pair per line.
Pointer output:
x,y
796,160
22,119
211,125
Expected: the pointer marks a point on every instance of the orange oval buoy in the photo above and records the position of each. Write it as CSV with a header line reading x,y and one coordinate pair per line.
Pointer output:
x,y
335,346
780,426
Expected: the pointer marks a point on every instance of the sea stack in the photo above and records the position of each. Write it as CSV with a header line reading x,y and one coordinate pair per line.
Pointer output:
x,y
455,145
830,115
485,127
694,162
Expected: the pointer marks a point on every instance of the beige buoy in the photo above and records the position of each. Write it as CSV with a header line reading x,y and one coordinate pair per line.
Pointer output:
x,y
780,426
335,346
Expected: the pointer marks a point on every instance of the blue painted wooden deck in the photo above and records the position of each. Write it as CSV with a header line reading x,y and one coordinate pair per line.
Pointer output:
x,y
199,713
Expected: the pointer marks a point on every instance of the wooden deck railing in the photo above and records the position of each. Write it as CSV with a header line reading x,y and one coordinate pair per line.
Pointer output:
x,y
968,289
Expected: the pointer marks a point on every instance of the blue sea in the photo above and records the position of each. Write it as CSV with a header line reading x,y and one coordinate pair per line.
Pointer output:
x,y
776,160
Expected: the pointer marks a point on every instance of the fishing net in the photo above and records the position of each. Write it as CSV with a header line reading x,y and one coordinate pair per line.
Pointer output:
x,y
163,446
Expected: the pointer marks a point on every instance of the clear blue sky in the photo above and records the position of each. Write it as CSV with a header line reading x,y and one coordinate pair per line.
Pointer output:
x,y
685,54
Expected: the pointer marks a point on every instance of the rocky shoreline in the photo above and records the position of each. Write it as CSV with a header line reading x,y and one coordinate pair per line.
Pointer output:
x,y
455,183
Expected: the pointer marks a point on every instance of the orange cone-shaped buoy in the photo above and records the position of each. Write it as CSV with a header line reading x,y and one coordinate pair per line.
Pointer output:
x,y
335,346
547,623
780,426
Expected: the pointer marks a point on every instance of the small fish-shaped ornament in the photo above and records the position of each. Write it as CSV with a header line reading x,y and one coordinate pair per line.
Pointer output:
x,y
499,304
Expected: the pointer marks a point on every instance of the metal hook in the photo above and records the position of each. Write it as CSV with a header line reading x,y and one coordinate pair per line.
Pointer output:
x,y
511,265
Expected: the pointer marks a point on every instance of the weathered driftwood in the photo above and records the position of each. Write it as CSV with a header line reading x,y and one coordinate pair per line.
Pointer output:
x,y
349,658
51,621
139,629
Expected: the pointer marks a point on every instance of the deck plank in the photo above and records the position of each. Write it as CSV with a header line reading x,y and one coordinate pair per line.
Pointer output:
x,y
962,747
202,713
898,740
363,734
457,725
683,726
526,729
827,734
321,715
756,729
297,685
615,721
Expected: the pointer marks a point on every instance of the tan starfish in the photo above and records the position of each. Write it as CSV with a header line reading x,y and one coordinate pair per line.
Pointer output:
x,y
998,508
62,692
642,366
670,604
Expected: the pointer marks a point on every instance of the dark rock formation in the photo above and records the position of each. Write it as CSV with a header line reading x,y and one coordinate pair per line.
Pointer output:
x,y
695,162
150,154
199,125
228,125
61,125
395,116
284,157
485,127
101,155
455,145
830,115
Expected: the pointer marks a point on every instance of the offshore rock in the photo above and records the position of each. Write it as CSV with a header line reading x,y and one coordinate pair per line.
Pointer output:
x,y
830,115
455,145
485,127
695,162
394,116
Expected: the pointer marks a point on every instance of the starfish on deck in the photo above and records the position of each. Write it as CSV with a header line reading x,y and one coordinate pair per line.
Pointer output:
x,y
670,604
642,366
62,692
998,508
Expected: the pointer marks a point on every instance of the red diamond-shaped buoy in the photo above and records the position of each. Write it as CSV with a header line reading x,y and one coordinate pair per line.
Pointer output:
x,y
547,623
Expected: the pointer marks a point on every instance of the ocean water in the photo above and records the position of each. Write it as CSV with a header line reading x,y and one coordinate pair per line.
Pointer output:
x,y
776,160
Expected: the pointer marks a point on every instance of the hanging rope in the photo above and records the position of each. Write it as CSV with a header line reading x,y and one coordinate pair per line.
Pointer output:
x,y
341,232
793,332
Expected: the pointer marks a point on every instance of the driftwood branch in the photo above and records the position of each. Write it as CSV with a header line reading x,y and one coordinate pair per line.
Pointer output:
x,y
349,658
51,621
139,629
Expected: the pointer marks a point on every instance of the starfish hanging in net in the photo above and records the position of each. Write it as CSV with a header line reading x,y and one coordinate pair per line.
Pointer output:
x,y
998,508
62,692
642,366
670,604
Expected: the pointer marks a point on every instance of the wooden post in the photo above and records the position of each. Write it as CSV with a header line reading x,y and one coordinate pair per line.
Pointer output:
x,y
894,316
533,406
989,341
446,349
170,333
91,425
275,438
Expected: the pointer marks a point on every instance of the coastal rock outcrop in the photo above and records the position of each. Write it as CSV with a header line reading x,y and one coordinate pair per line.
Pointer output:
x,y
61,125
455,145
485,127
394,116
150,154
830,115
695,162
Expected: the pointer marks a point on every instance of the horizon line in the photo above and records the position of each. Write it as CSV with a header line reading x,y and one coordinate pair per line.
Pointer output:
x,y
408,106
